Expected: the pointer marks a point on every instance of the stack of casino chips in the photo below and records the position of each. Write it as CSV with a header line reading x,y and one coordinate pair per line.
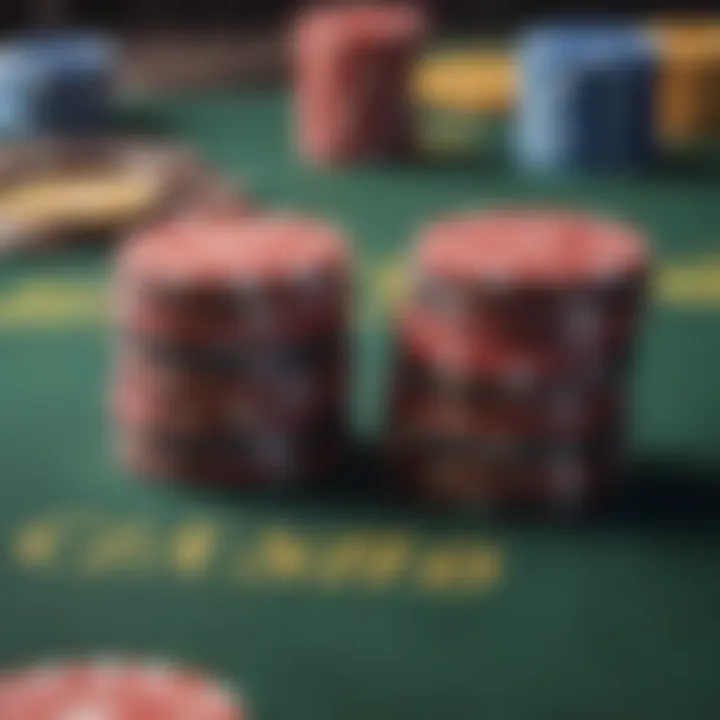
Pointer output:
x,y
352,64
17,107
73,77
513,348
587,98
689,98
57,84
232,349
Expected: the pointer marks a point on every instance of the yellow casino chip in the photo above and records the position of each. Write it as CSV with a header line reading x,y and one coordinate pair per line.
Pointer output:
x,y
469,81
83,202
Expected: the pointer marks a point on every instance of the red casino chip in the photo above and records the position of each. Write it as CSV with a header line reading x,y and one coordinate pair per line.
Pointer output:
x,y
138,407
312,358
570,414
451,350
534,276
233,278
175,459
114,691
229,253
563,485
352,65
153,395
519,249
568,475
250,461
423,396
306,382
545,319
247,315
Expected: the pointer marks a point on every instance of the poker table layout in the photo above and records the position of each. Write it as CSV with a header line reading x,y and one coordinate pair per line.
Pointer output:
x,y
341,605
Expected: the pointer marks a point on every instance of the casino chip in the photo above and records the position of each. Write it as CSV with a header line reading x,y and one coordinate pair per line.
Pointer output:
x,y
352,77
233,356
231,278
588,98
517,331
57,192
467,81
71,87
149,391
109,690
84,201
532,248
553,279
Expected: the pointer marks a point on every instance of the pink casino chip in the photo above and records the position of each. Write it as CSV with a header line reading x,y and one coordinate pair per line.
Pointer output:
x,y
105,690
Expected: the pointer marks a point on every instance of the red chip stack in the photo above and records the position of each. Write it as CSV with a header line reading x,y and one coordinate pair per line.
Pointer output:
x,y
121,690
513,348
232,361
352,65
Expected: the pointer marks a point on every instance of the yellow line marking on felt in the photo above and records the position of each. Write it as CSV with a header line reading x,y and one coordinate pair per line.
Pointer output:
x,y
38,543
37,303
694,285
124,547
193,547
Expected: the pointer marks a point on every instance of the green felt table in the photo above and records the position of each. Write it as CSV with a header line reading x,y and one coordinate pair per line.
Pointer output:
x,y
340,606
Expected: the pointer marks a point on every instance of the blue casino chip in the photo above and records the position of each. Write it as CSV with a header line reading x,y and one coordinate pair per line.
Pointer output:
x,y
17,115
65,83
587,98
